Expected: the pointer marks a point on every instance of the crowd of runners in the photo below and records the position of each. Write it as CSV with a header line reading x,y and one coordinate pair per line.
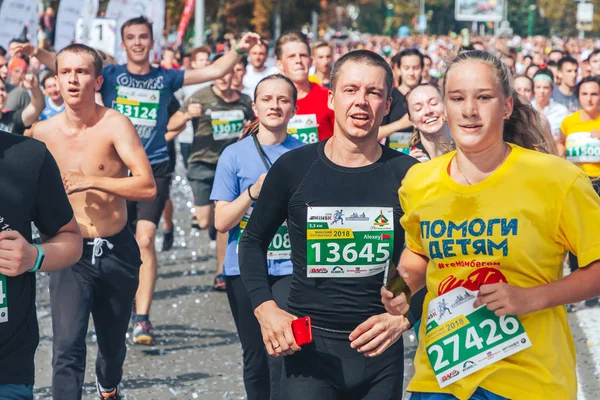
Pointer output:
x,y
372,185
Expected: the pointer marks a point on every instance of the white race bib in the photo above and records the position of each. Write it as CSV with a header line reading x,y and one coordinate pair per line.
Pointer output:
x,y
460,339
139,105
227,124
348,242
582,148
304,128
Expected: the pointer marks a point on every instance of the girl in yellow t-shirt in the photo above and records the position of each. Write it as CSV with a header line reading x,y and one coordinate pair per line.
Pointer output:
x,y
487,228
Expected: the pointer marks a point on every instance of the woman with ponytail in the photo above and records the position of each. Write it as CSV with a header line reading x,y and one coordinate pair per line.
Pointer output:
x,y
240,173
487,229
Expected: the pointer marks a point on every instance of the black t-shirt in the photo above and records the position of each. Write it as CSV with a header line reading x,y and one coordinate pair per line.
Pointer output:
x,y
12,122
304,178
32,191
397,109
399,139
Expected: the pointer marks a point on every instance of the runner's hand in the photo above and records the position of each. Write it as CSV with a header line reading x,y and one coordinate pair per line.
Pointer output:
x,y
376,334
26,49
418,153
257,186
17,255
595,134
247,42
505,299
276,328
75,181
397,305
30,81
194,110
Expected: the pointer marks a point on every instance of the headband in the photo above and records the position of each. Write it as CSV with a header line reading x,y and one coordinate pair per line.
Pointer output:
x,y
544,77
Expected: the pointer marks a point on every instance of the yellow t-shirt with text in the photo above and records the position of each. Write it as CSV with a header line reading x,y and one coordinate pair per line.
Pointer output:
x,y
580,144
515,226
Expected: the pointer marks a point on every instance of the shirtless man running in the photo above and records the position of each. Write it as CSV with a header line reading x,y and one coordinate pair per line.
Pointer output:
x,y
94,147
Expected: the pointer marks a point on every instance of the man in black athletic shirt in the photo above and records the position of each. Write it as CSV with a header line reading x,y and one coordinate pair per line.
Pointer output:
x,y
338,269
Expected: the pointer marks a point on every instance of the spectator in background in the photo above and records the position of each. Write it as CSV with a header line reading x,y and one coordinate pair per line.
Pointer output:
x,y
555,55
555,113
511,64
524,87
594,60
425,77
54,101
186,61
586,69
553,66
237,82
17,68
531,70
257,69
2,51
564,93
168,59
16,121
396,127
48,24
478,46
322,61
201,57
18,98
13,48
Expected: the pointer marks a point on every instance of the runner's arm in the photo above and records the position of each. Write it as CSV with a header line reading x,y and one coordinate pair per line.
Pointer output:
x,y
268,215
580,285
34,109
229,213
172,134
47,58
399,125
140,186
64,248
223,65
178,121
412,268
561,146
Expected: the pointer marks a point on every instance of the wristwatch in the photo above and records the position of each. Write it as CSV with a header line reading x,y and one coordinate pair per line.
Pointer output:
x,y
40,259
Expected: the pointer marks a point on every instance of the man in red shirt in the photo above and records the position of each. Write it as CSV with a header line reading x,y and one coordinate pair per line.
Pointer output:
x,y
314,120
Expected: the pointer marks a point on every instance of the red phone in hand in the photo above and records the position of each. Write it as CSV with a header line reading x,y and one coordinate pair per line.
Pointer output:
x,y
302,329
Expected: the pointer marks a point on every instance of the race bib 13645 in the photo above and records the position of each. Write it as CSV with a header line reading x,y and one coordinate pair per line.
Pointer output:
x,y
348,242
461,340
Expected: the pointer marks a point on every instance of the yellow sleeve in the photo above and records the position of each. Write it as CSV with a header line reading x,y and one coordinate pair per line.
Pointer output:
x,y
563,126
409,221
580,220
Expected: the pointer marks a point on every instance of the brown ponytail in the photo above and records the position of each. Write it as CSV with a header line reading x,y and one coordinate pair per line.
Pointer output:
x,y
250,129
